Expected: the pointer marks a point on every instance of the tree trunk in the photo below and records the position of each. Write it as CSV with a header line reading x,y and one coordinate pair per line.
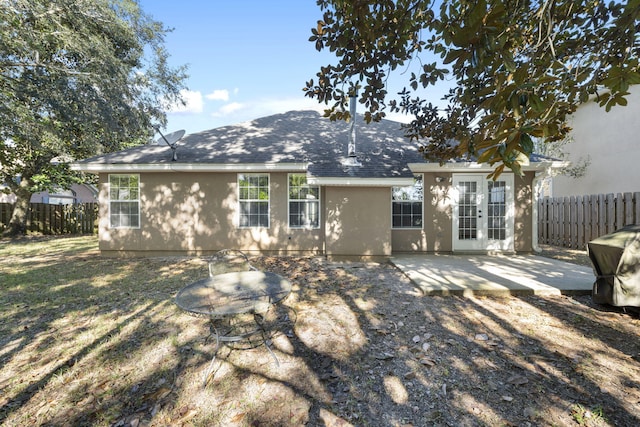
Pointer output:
x,y
18,222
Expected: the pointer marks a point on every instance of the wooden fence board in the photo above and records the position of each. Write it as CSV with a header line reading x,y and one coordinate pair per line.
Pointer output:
x,y
586,206
56,219
574,221
628,209
580,239
619,209
602,215
593,203
610,218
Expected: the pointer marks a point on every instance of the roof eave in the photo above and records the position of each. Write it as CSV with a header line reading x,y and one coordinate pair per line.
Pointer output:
x,y
360,182
187,167
481,167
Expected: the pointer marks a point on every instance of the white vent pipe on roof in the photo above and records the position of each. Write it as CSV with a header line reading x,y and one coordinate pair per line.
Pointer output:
x,y
352,159
352,131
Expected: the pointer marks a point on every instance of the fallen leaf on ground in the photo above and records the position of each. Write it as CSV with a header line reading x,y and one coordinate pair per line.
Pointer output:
x,y
239,417
517,380
384,356
159,394
427,361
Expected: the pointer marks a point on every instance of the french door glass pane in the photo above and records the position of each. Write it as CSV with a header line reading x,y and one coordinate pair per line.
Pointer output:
x,y
467,210
497,210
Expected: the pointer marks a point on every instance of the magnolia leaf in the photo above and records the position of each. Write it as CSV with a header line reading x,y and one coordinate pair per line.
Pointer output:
x,y
503,72
486,156
526,143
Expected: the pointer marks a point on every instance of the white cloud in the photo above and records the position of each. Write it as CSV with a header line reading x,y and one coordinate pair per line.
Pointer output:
x,y
194,103
254,109
228,109
236,112
219,95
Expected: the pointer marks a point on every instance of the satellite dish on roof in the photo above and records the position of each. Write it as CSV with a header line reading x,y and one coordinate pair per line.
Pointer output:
x,y
171,140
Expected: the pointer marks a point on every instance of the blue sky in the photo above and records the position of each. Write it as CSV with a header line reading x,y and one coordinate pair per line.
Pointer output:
x,y
247,58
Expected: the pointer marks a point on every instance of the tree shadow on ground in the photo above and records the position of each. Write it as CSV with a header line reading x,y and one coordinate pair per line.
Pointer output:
x,y
107,346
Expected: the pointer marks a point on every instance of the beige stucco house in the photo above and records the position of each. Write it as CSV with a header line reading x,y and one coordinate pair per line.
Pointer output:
x,y
297,183
610,141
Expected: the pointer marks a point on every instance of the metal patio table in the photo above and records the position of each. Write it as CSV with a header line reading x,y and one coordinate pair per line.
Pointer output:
x,y
237,304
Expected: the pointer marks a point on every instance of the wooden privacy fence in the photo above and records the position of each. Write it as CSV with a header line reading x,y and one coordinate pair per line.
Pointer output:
x,y
56,219
572,222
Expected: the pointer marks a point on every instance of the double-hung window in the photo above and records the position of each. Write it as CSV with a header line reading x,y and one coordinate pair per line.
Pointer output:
x,y
124,201
304,203
254,200
406,205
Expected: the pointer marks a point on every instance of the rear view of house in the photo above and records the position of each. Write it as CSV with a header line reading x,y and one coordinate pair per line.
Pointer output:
x,y
297,183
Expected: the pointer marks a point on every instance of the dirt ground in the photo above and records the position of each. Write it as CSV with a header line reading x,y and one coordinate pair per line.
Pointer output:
x,y
357,345
386,356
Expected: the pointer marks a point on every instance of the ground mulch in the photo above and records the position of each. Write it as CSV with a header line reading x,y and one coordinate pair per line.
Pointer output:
x,y
357,345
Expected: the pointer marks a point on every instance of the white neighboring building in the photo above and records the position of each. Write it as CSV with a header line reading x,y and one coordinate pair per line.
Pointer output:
x,y
611,140
79,193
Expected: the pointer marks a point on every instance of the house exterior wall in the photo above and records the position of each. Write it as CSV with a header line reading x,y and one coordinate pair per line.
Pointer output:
x,y
435,235
358,221
523,224
196,213
611,141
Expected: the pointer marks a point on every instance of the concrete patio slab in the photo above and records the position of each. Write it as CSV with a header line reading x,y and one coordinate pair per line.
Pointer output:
x,y
494,275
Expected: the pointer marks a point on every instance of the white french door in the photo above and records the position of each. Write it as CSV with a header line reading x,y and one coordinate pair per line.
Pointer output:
x,y
483,212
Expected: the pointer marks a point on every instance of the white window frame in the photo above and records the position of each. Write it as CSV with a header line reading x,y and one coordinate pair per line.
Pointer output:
x,y
408,190
306,201
122,196
250,200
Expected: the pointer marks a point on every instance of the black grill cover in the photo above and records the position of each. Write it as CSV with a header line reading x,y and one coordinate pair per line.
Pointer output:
x,y
616,264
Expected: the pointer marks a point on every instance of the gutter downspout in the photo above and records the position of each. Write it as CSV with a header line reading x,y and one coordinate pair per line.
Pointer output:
x,y
536,186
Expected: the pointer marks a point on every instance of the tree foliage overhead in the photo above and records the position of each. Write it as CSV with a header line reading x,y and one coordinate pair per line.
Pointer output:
x,y
77,78
516,68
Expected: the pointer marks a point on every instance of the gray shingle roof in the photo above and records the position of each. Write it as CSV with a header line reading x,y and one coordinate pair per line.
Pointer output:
x,y
293,137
